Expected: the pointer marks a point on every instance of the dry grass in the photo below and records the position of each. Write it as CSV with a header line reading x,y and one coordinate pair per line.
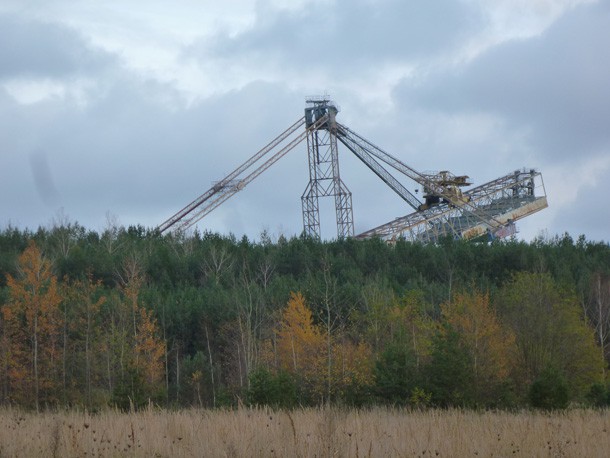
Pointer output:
x,y
304,433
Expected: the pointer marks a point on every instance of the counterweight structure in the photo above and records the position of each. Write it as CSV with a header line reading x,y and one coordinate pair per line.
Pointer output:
x,y
490,209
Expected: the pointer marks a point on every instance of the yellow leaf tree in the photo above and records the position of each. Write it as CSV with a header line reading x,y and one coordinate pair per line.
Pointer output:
x,y
408,323
352,369
301,345
491,346
301,350
33,328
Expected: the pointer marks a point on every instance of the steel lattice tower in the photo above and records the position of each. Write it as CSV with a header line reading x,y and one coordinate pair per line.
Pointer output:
x,y
324,177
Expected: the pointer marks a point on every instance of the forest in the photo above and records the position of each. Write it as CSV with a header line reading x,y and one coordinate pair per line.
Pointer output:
x,y
128,317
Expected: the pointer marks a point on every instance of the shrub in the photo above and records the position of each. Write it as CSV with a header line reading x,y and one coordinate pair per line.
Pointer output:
x,y
274,390
130,392
598,395
550,390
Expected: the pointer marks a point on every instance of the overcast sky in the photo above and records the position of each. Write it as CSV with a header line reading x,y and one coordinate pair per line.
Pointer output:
x,y
128,110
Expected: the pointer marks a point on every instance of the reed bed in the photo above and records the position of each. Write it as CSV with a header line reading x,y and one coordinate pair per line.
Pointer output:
x,y
377,432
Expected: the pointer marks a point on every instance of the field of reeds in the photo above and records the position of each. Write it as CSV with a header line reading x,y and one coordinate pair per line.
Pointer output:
x,y
321,432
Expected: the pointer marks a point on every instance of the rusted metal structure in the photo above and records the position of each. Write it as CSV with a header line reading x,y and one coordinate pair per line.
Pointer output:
x,y
489,210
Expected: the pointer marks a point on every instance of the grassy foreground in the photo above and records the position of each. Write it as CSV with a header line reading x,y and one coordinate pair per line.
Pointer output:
x,y
306,433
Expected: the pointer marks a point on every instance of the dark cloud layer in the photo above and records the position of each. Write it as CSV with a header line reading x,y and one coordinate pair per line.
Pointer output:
x,y
556,85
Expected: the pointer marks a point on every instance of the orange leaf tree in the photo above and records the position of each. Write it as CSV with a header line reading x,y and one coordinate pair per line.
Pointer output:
x,y
33,328
135,334
149,348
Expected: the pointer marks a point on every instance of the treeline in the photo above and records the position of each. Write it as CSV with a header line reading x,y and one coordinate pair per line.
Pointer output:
x,y
128,316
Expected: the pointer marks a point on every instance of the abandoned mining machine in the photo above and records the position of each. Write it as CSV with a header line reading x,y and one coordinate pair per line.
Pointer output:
x,y
447,210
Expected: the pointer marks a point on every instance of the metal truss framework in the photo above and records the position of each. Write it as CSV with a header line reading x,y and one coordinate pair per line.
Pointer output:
x,y
507,199
489,210
239,178
324,177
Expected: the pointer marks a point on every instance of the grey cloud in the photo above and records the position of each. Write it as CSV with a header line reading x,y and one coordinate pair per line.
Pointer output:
x,y
126,153
550,96
29,48
557,86
588,213
348,34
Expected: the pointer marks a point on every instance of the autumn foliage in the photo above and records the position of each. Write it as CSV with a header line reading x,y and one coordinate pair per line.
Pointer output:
x,y
130,317
32,322
300,344
53,346
490,345
321,370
